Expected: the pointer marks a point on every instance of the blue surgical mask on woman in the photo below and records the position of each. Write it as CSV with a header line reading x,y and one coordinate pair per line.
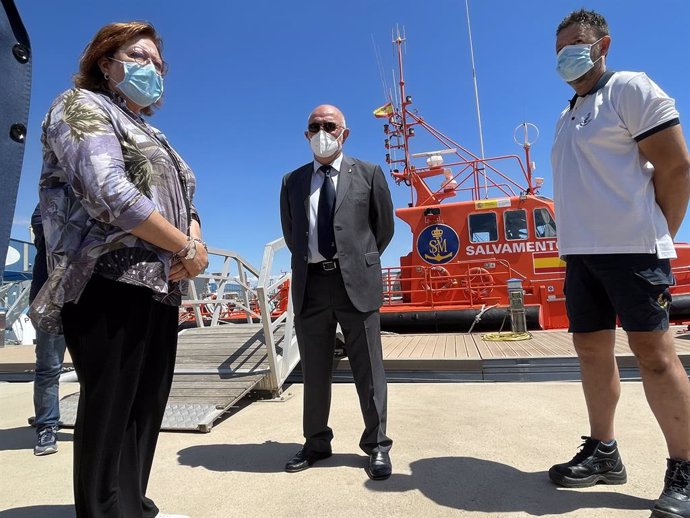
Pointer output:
x,y
142,84
574,61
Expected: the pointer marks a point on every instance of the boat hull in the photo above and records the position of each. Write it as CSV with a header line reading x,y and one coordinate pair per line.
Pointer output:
x,y
454,320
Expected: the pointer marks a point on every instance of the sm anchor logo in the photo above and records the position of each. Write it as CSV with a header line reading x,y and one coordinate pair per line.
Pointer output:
x,y
438,244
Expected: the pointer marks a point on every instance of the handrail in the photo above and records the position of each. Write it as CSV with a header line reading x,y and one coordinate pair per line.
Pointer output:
x,y
283,353
248,294
281,364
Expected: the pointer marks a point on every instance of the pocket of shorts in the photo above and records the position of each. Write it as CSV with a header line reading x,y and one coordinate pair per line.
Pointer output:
x,y
656,276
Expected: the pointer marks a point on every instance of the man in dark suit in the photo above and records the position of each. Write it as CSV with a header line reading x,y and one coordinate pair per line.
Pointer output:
x,y
337,218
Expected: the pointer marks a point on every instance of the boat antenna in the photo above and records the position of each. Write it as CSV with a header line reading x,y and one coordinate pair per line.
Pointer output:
x,y
395,37
379,65
476,97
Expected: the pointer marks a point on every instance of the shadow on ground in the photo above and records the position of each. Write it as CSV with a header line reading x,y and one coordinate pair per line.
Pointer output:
x,y
471,484
24,438
42,511
268,457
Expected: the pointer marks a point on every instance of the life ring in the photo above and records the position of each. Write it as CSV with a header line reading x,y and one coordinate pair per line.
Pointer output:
x,y
477,283
437,283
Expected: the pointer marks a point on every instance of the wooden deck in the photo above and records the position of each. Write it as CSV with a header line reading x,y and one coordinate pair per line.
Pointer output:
x,y
471,346
548,355
207,357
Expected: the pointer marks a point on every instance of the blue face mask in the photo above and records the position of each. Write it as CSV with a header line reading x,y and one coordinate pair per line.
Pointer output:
x,y
574,61
142,84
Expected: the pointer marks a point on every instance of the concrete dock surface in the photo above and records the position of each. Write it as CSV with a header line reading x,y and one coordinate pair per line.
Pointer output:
x,y
460,449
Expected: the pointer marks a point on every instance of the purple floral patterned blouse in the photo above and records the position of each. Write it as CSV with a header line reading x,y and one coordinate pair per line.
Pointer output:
x,y
105,170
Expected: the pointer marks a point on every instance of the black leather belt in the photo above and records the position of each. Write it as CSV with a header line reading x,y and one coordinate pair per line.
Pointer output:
x,y
325,266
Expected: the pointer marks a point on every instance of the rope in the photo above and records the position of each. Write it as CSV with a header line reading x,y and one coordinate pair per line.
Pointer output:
x,y
507,336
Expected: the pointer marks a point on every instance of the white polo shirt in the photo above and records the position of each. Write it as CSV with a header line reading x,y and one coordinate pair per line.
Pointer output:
x,y
603,190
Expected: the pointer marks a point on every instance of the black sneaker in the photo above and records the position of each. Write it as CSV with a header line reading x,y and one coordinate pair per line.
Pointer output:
x,y
674,501
595,462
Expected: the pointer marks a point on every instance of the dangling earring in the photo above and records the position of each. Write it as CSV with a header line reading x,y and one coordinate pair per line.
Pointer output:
x,y
106,77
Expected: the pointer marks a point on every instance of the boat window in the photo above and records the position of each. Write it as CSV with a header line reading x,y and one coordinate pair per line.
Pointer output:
x,y
515,222
483,227
544,224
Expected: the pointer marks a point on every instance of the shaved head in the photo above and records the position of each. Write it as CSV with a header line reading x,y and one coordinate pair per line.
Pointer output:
x,y
330,111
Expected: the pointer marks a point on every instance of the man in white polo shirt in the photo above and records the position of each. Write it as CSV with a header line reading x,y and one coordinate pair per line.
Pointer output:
x,y
621,187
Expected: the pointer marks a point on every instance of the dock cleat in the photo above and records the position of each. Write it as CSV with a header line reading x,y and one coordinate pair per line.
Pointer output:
x,y
674,501
595,462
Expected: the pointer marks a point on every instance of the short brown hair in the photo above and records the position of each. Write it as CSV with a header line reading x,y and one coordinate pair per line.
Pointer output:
x,y
106,41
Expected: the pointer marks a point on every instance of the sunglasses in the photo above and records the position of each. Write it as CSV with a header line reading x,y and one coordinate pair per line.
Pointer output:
x,y
328,127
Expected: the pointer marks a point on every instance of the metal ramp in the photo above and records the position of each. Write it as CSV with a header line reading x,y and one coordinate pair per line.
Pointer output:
x,y
215,368
218,365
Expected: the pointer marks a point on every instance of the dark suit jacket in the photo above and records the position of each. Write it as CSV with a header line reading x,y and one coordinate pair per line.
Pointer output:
x,y
363,226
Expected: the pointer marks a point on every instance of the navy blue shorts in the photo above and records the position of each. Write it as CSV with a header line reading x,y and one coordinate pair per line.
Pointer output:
x,y
633,287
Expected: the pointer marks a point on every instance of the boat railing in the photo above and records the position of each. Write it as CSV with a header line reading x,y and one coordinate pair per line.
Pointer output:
x,y
281,347
469,176
471,282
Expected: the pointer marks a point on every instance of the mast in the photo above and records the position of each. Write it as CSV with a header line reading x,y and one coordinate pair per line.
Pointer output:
x,y
465,170
476,99
404,102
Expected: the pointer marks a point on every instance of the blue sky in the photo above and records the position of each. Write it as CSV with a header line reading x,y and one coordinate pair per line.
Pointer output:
x,y
245,75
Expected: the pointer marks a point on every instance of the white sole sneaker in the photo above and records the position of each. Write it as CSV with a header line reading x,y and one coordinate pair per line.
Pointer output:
x,y
39,451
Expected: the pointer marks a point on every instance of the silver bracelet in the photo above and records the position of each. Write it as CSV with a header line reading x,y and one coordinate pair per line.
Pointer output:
x,y
185,249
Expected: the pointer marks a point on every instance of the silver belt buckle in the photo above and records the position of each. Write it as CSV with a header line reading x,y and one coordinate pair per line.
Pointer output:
x,y
329,266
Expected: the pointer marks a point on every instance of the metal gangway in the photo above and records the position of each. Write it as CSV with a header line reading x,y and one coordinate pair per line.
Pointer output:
x,y
219,362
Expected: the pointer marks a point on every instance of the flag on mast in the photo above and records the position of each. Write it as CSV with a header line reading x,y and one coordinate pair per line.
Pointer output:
x,y
385,111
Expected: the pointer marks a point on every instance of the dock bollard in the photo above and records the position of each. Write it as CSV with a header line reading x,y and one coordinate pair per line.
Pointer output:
x,y
516,296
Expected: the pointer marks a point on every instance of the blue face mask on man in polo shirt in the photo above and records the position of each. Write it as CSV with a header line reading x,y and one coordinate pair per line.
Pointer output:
x,y
574,61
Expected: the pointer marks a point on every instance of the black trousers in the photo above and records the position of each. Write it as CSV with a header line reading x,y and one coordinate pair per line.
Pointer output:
x,y
326,303
123,346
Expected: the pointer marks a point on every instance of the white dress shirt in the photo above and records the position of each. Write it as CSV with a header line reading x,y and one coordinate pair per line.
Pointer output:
x,y
317,179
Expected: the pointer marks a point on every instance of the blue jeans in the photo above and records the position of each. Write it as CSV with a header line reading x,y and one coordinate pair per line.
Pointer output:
x,y
50,353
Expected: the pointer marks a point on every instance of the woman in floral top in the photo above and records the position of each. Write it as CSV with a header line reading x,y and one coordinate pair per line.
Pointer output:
x,y
123,237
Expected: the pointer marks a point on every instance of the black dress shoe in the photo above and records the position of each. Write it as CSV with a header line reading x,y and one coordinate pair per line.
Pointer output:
x,y
305,459
379,467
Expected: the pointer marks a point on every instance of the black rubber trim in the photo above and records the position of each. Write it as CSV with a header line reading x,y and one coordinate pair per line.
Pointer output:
x,y
657,129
